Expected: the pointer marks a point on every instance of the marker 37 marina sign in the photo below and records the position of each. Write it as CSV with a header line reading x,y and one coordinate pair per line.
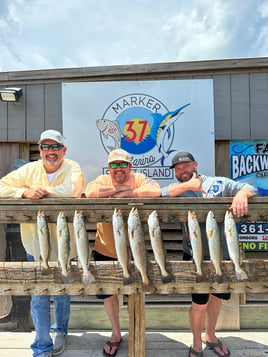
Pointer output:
x,y
143,126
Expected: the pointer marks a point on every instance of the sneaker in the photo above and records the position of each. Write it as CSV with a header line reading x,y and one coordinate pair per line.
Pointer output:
x,y
58,343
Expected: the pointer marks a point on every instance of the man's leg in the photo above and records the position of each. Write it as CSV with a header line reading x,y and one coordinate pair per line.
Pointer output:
x,y
213,312
40,310
61,313
111,305
60,327
197,323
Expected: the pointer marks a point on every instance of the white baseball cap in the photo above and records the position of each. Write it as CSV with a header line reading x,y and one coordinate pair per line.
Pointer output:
x,y
52,135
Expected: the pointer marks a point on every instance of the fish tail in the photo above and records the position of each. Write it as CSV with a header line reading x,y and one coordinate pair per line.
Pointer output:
x,y
147,288
168,278
67,279
128,280
200,278
241,275
219,279
88,278
47,270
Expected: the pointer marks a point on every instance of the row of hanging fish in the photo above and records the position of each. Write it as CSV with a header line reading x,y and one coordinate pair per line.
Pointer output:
x,y
213,236
63,241
134,239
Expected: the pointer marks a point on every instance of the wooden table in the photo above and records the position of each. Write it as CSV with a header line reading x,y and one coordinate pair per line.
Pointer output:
x,y
27,278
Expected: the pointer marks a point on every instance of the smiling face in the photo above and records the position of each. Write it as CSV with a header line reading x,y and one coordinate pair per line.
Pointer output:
x,y
120,175
52,159
184,170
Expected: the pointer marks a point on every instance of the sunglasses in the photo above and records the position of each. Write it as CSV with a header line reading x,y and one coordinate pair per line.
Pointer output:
x,y
122,165
54,147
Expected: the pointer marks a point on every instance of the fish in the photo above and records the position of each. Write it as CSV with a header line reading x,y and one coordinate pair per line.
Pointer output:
x,y
196,243
44,241
161,130
122,245
213,236
156,238
63,240
110,128
232,241
82,246
138,248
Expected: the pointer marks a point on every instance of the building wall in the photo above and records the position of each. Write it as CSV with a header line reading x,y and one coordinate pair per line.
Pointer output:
x,y
240,100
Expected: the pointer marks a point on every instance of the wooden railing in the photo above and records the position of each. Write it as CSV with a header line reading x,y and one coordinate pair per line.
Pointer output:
x,y
27,278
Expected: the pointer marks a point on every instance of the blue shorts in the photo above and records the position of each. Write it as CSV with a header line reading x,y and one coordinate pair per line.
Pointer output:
x,y
202,299
99,257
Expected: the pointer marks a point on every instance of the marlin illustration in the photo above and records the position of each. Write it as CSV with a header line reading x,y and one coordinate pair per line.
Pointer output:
x,y
110,128
161,128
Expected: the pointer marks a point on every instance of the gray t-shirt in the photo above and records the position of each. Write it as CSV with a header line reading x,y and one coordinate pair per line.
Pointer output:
x,y
229,188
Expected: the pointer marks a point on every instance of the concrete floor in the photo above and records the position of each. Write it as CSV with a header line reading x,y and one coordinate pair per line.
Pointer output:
x,y
158,344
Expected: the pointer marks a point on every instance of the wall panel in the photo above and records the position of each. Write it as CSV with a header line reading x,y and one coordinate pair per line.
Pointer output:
x,y
53,107
259,106
222,106
240,119
35,111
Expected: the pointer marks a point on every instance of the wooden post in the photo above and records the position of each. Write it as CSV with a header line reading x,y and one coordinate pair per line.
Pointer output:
x,y
136,345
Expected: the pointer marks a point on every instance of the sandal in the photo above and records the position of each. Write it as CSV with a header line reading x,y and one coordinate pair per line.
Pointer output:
x,y
111,345
195,353
212,346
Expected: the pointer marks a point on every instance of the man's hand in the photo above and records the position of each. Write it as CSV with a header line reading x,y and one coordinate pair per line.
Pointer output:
x,y
35,193
195,183
123,191
240,202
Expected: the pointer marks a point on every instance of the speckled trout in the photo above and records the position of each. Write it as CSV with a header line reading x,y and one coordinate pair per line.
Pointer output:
x,y
196,243
157,243
63,240
44,241
122,245
82,246
213,236
138,248
232,241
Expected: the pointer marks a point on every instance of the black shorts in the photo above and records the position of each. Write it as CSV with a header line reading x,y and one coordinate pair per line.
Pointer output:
x,y
99,257
202,299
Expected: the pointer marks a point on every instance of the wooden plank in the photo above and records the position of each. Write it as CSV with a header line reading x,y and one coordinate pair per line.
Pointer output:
x,y
150,70
27,278
131,325
229,318
222,158
171,210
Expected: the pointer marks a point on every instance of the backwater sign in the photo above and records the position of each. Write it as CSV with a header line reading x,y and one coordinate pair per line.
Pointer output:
x,y
249,163
152,120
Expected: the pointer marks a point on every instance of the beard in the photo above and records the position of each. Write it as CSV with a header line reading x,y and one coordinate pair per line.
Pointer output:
x,y
186,176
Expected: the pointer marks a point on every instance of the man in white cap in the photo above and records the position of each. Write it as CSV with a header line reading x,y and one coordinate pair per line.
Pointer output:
x,y
120,182
51,176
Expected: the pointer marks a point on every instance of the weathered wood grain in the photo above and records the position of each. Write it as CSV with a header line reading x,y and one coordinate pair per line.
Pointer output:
x,y
27,278
170,210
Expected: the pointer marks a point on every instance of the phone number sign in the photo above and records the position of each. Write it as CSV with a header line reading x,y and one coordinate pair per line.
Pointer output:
x,y
253,236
